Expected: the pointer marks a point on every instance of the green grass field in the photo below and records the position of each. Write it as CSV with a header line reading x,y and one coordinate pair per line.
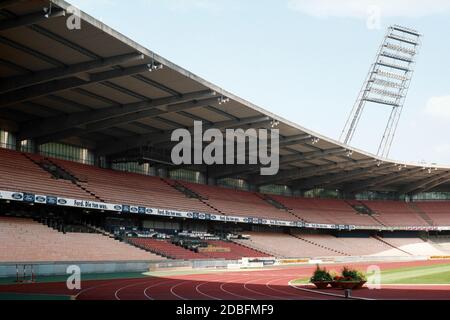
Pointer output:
x,y
434,274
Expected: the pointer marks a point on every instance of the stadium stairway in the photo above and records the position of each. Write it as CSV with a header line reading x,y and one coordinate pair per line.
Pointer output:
x,y
165,249
252,245
189,193
278,205
59,172
441,243
79,181
234,251
391,245
320,246
360,207
23,239
421,213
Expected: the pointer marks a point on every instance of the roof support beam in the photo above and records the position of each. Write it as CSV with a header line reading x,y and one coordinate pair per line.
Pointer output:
x,y
79,120
18,82
298,173
424,182
284,160
434,184
29,19
339,177
8,125
339,181
112,147
108,123
9,3
288,159
47,88
31,52
294,140
392,177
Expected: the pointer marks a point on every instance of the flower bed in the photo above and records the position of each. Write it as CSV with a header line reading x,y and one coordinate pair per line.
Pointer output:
x,y
349,279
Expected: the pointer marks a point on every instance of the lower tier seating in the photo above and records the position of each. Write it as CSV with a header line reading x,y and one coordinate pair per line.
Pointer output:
x,y
284,245
166,249
414,246
234,251
24,240
301,245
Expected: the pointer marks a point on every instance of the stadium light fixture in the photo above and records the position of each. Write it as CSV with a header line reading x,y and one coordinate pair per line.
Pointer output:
x,y
48,11
274,123
393,69
223,100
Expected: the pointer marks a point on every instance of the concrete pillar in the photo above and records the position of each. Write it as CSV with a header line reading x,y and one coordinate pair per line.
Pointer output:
x,y
212,181
107,163
289,191
297,192
202,178
163,172
153,171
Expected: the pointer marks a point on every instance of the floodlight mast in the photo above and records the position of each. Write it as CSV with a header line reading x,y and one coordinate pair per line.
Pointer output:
x,y
387,83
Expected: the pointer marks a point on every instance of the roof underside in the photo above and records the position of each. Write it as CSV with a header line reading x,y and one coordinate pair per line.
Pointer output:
x,y
95,88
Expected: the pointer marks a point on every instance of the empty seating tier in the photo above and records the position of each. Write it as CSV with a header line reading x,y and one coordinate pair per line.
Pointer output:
x,y
134,189
234,251
438,211
24,173
301,245
166,249
327,211
20,174
239,203
24,240
395,213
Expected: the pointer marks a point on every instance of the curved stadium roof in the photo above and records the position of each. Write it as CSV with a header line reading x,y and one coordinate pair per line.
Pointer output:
x,y
61,85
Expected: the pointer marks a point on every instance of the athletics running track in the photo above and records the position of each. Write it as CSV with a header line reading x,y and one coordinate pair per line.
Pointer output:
x,y
269,284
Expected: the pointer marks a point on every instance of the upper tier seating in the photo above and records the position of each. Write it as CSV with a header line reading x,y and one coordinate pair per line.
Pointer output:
x,y
19,174
130,188
395,213
239,203
438,211
24,240
327,211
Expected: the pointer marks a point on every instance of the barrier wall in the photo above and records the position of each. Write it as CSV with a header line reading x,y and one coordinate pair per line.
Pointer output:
x,y
60,268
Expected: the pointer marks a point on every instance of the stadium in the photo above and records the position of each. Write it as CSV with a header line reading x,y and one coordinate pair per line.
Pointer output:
x,y
93,208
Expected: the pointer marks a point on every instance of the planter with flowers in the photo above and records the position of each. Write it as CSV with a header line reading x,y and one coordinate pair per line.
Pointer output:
x,y
350,279
321,278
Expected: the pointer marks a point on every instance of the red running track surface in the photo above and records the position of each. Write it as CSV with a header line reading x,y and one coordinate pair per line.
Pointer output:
x,y
270,284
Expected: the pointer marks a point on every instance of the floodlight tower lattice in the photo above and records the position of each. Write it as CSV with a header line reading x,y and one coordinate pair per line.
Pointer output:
x,y
387,83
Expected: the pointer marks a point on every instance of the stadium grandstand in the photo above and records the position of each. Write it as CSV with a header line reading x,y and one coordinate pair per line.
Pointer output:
x,y
86,174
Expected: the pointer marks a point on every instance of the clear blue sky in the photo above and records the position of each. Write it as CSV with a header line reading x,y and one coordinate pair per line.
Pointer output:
x,y
305,60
